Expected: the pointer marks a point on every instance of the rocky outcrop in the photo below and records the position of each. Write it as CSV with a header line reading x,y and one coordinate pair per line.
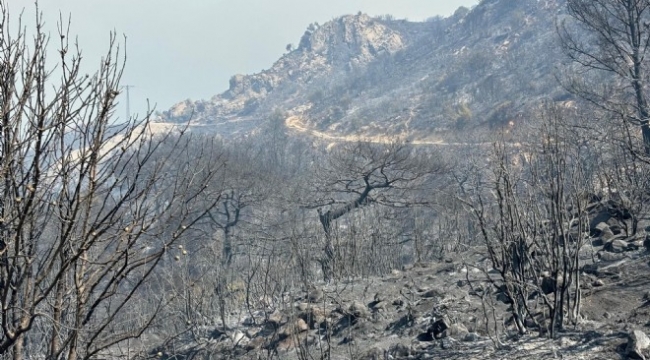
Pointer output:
x,y
346,44
359,75
352,41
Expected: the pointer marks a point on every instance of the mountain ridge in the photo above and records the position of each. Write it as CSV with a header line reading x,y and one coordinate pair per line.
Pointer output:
x,y
362,76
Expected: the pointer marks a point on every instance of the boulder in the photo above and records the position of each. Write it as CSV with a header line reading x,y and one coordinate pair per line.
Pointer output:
x,y
447,343
379,306
501,294
637,344
427,336
255,343
286,344
438,328
616,229
432,293
607,235
379,297
597,242
276,318
239,338
458,331
300,325
599,228
294,327
618,207
314,295
471,337
399,351
315,317
359,310
610,256
591,269
616,246
503,297
252,332
634,245
646,242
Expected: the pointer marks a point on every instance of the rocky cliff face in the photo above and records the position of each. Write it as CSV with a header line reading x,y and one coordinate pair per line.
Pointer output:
x,y
364,76
351,41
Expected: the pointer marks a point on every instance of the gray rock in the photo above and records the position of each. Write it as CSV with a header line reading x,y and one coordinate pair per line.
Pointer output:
x,y
646,242
607,315
503,297
615,228
591,269
359,310
610,257
300,325
432,293
303,306
437,329
597,242
427,336
399,350
637,344
277,318
635,245
314,295
379,297
447,343
471,337
600,229
379,306
616,246
458,331
239,338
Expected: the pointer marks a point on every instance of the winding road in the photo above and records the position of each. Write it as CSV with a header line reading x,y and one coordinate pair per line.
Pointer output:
x,y
295,123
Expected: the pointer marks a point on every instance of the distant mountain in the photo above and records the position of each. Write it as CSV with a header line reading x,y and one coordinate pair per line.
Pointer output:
x,y
370,77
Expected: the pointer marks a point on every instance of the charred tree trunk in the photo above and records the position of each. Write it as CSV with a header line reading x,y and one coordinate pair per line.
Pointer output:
x,y
227,218
328,261
623,37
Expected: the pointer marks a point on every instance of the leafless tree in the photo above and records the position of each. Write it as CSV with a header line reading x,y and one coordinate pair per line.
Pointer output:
x,y
359,174
87,207
532,213
610,39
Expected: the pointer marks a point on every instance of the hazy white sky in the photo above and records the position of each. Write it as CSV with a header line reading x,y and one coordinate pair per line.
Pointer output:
x,y
189,49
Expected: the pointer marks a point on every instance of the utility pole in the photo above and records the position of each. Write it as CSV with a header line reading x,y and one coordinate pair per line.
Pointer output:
x,y
128,101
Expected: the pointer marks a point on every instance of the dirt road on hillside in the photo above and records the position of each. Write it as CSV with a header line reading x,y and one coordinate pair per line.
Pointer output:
x,y
296,123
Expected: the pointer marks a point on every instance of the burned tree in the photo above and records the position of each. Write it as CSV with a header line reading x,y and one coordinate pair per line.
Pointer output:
x,y
88,208
614,51
359,174
531,207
